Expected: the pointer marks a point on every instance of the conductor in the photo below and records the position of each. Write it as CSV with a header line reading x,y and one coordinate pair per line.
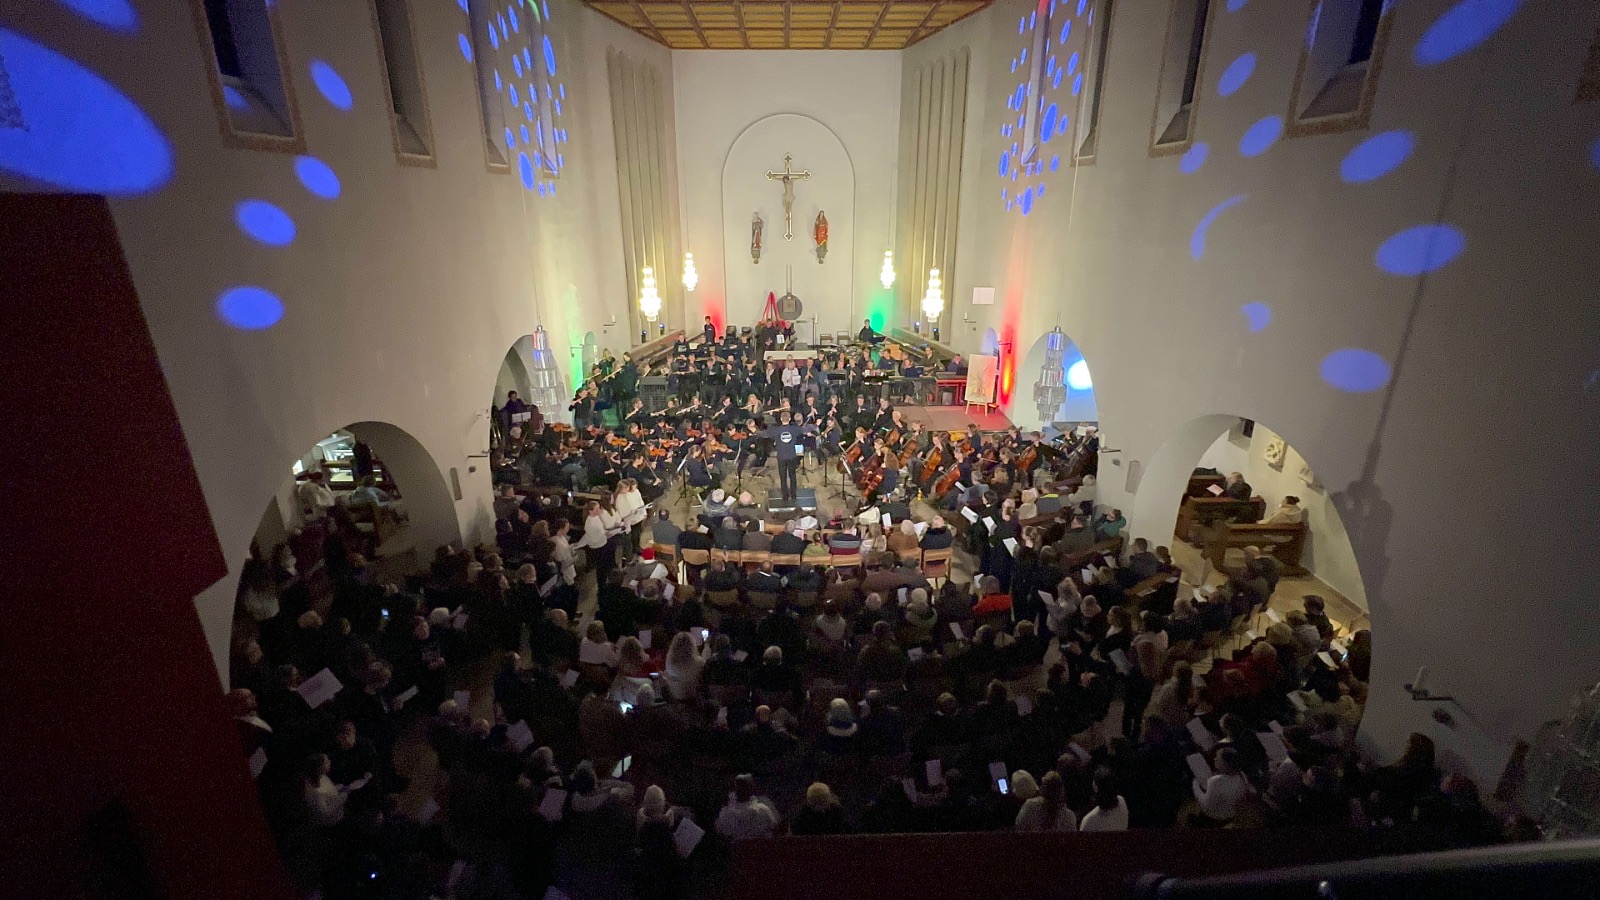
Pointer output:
x,y
786,439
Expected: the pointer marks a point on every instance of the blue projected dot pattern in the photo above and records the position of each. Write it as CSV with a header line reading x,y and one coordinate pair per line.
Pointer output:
x,y
1355,370
1463,27
1377,156
234,99
249,307
1049,71
117,15
1237,73
1257,315
531,55
525,168
1422,249
331,84
82,134
1261,136
466,45
1594,154
1197,241
265,223
1194,158
1236,5
317,177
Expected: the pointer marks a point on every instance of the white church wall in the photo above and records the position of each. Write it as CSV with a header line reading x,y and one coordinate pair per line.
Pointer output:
x,y
400,295
1425,459
855,95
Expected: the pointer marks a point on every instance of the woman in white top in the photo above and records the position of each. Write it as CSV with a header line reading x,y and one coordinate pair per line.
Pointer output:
x,y
1110,811
599,527
324,799
684,666
630,505
1288,513
1049,810
562,554
594,649
1220,796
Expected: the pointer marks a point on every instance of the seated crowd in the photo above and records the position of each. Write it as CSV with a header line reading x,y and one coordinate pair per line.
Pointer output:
x,y
739,679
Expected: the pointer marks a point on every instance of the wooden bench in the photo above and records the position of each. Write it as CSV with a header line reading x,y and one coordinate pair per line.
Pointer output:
x,y
1202,512
1284,543
1200,485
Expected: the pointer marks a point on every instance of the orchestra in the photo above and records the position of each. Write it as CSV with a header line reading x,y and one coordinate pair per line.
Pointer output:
x,y
725,403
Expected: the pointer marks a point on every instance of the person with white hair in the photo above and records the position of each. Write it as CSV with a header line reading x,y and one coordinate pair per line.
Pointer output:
x,y
684,665
903,539
745,815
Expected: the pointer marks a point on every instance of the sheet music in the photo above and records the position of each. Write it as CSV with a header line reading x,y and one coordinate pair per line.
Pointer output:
x,y
319,688
1203,738
1200,768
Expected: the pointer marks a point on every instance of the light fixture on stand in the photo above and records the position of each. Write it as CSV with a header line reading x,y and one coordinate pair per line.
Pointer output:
x,y
1049,392
886,274
649,300
691,278
933,300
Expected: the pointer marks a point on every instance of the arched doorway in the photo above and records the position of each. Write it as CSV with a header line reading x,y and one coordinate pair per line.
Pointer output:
x,y
530,369
295,564
1062,390
1181,501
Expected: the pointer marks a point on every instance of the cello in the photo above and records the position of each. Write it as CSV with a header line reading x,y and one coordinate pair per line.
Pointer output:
x,y
930,466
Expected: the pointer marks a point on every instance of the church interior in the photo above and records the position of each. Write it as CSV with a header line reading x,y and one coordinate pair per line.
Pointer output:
x,y
584,449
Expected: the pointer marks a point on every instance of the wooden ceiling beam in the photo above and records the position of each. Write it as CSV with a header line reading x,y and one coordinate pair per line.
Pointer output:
x,y
653,32
833,22
786,23
688,9
873,34
916,33
738,12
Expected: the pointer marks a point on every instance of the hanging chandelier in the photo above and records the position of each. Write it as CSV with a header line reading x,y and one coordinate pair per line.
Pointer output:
x,y
649,300
886,274
933,299
691,278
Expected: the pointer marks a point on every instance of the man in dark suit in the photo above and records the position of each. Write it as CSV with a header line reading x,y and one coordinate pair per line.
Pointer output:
x,y
663,531
710,331
1236,487
729,536
788,543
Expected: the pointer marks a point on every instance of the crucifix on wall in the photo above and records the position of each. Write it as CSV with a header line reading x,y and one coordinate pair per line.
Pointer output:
x,y
788,177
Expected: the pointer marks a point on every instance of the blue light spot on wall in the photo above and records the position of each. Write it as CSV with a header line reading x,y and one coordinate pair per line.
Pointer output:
x,y
1197,241
250,308
1022,25
494,37
1594,154
1005,163
1465,26
524,133
549,57
1236,5
558,107
266,223
464,7
317,177
1422,249
466,46
233,98
117,15
1024,57
1261,136
1258,315
1237,73
1194,158
331,84
563,90
1055,163
505,33
81,133
515,25
1025,202
514,100
1055,82
527,59
1005,130
1077,84
516,65
511,139
1033,19
546,7
1072,63
527,111
1376,156
1082,4
1064,125
525,167
1047,124
1066,29
1355,370
498,84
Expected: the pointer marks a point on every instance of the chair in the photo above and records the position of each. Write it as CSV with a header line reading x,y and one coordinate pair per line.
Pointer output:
x,y
722,599
666,554
779,560
694,557
763,600
754,557
907,555
804,600
727,556
936,565
845,560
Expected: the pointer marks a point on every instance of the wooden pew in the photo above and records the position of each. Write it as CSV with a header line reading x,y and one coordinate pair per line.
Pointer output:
x,y
1200,485
1202,512
1285,543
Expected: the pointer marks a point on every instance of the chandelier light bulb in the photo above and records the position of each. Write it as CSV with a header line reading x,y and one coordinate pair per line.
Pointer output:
x,y
649,300
887,274
691,278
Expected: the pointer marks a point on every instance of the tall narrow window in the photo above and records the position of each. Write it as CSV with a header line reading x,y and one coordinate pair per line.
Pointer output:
x,y
1338,65
408,102
1181,71
249,73
486,43
1033,104
1097,78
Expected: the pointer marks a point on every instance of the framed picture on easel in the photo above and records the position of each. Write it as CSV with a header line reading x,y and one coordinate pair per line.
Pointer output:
x,y
982,377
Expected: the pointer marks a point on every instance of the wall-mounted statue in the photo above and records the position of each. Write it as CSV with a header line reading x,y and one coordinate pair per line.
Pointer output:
x,y
819,232
756,227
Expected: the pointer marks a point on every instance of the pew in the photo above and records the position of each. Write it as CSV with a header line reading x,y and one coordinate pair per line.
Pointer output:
x,y
1203,512
1200,485
1284,543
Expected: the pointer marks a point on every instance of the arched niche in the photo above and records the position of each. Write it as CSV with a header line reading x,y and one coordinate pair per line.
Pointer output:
x,y
1073,375
826,290
396,548
1226,443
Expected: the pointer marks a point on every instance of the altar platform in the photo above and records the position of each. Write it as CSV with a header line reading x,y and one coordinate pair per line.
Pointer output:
x,y
954,418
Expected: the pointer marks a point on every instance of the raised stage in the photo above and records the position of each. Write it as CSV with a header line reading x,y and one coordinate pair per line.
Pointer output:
x,y
954,418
